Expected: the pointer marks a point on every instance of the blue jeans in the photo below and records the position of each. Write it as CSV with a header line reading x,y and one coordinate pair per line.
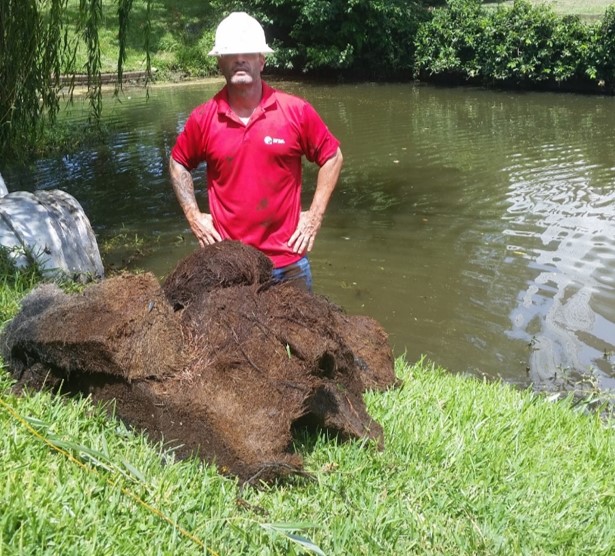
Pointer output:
x,y
298,273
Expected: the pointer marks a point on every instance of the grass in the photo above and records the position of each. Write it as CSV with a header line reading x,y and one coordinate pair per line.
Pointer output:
x,y
14,283
469,467
181,35
588,9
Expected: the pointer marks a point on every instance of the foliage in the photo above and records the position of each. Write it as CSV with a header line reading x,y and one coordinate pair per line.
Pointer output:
x,y
31,52
517,44
522,44
192,57
16,282
602,67
572,44
371,39
36,51
180,38
449,42
469,467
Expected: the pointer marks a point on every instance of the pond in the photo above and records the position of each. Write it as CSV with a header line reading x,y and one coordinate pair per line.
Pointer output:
x,y
477,226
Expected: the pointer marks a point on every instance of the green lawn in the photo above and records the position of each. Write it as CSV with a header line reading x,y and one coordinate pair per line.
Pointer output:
x,y
588,9
181,34
469,467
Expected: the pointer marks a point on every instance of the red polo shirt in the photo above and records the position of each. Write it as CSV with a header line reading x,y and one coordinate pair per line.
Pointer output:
x,y
254,170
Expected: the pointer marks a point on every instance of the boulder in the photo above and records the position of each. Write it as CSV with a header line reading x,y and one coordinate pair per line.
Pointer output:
x,y
51,229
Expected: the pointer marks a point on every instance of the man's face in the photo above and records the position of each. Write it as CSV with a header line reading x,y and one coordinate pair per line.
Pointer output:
x,y
241,69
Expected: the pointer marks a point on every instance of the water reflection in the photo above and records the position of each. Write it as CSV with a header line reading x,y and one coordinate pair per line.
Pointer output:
x,y
568,307
477,226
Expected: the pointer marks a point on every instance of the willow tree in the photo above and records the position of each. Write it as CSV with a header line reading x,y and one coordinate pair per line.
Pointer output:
x,y
38,45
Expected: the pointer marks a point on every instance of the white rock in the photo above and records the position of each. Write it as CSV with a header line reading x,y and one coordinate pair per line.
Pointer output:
x,y
51,227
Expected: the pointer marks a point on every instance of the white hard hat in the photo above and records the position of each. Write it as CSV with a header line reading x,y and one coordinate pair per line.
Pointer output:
x,y
239,33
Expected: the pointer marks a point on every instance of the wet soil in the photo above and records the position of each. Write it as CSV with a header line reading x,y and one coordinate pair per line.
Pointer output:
x,y
219,361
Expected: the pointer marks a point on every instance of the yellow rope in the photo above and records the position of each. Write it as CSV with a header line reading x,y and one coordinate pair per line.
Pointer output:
x,y
124,490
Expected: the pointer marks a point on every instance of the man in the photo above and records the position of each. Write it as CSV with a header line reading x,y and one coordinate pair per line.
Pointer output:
x,y
252,139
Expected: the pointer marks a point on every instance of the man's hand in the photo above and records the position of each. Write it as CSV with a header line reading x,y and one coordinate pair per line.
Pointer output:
x,y
200,223
303,238
202,227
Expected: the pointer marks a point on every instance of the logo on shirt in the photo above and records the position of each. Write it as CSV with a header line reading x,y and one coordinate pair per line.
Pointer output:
x,y
273,140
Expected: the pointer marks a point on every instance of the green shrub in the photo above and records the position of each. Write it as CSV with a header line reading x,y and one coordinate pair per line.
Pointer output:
x,y
371,39
517,44
522,44
192,56
602,64
448,43
572,43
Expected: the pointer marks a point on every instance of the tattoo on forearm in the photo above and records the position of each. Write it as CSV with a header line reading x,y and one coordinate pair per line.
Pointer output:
x,y
183,185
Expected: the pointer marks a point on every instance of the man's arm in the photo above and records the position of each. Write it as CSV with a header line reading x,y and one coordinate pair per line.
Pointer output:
x,y
200,223
302,239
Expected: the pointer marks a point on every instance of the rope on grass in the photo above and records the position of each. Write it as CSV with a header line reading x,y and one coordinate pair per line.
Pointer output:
x,y
124,490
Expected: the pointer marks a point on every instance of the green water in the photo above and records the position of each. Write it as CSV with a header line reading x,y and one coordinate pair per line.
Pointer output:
x,y
477,226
